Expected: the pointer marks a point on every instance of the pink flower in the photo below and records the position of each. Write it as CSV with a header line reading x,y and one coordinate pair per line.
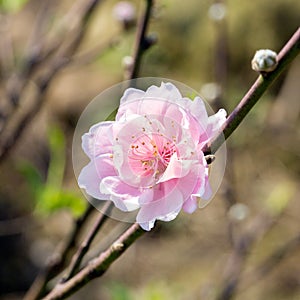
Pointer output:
x,y
150,157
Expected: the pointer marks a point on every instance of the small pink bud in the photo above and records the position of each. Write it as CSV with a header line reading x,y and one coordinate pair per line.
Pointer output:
x,y
125,13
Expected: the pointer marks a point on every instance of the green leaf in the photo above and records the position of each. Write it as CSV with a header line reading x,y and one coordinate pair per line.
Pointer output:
x,y
57,161
53,199
32,176
12,6
119,292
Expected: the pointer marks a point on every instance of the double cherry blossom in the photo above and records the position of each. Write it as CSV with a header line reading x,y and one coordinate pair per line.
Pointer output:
x,y
150,158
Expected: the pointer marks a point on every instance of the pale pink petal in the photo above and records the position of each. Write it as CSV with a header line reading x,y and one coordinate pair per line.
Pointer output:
x,y
98,140
192,182
167,218
169,200
170,216
166,91
128,103
207,190
132,94
161,101
190,205
176,168
123,195
215,123
147,225
92,174
198,110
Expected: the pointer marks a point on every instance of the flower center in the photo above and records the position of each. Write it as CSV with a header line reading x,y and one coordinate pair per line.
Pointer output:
x,y
149,155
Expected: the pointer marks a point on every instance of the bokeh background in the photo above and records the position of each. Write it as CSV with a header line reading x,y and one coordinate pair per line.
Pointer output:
x,y
246,240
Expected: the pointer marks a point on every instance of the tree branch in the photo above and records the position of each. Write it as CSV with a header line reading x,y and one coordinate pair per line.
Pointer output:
x,y
85,245
97,266
272,261
141,44
60,59
263,82
58,260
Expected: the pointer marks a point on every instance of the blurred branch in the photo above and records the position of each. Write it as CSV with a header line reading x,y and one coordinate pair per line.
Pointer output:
x,y
221,55
97,266
6,46
263,82
272,261
90,55
58,260
142,43
59,60
85,245
241,249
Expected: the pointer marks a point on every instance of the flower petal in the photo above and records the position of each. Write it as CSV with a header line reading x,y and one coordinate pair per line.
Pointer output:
x,y
98,140
92,174
166,200
124,196
215,122
166,91
176,168
190,205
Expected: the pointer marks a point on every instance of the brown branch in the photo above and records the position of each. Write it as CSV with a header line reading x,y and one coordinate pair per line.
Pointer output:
x,y
97,266
263,82
242,246
142,43
275,258
58,260
85,245
59,61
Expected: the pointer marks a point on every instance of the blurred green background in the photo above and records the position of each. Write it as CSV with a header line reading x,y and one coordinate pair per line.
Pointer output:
x,y
208,48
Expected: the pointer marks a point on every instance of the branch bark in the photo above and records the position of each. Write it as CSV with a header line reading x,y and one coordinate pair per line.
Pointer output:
x,y
58,260
98,266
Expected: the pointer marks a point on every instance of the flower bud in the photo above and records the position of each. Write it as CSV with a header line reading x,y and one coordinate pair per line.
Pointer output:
x,y
125,13
238,212
264,60
127,62
217,11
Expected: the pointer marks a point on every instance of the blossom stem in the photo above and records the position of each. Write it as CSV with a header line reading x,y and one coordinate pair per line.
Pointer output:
x,y
263,82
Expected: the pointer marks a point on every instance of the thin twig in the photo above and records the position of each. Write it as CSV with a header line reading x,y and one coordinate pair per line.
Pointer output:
x,y
263,82
85,245
271,261
58,260
60,60
97,266
6,46
141,44
259,227
83,59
